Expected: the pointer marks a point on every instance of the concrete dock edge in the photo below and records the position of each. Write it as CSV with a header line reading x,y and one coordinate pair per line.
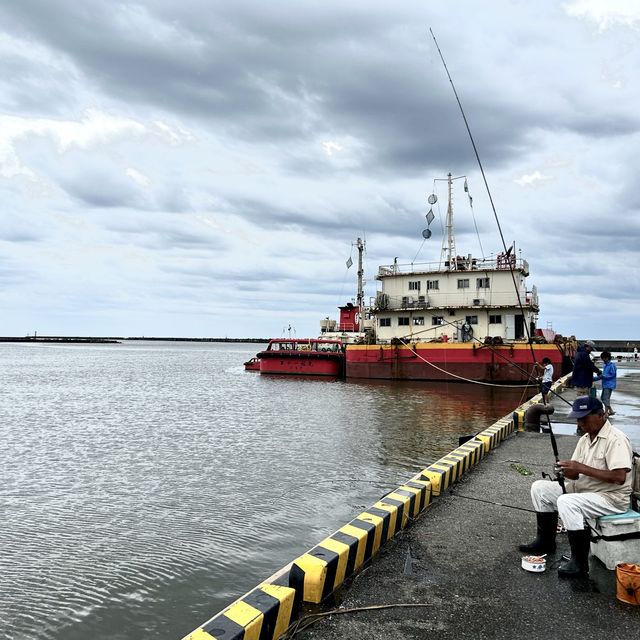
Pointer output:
x,y
267,612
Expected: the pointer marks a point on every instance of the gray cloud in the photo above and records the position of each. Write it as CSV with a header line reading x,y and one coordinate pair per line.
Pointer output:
x,y
238,148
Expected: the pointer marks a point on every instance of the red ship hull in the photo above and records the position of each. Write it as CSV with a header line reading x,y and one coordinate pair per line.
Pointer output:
x,y
450,362
252,365
301,363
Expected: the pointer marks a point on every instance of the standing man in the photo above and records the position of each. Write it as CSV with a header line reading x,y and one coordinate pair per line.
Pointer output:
x,y
608,377
598,483
583,369
547,378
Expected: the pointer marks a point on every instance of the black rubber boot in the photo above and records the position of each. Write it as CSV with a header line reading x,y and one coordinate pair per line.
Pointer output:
x,y
578,566
545,541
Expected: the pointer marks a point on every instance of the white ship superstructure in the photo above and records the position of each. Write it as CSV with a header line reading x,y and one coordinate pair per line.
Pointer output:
x,y
464,298
457,299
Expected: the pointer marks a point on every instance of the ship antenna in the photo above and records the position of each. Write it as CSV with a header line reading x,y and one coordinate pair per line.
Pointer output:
x,y
451,240
360,295
486,184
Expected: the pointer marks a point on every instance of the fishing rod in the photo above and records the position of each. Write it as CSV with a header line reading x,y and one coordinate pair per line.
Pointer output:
x,y
486,184
559,477
554,445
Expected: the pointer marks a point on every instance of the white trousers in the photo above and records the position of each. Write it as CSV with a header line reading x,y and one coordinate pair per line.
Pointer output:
x,y
573,508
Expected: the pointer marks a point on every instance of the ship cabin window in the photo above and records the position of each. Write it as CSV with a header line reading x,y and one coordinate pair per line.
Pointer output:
x,y
495,319
433,284
419,321
463,283
414,285
482,283
385,322
471,319
437,320
403,321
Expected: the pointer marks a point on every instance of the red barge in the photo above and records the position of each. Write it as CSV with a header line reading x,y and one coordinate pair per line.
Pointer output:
x,y
306,357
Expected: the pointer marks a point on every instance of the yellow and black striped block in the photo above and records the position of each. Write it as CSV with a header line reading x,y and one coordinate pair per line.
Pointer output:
x,y
320,571
416,493
441,474
518,419
491,437
473,450
506,427
324,568
459,461
409,499
263,614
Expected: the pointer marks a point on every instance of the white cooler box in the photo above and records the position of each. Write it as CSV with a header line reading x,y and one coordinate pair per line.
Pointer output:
x,y
612,549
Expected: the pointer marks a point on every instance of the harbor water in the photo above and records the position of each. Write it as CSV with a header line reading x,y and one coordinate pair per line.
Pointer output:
x,y
146,485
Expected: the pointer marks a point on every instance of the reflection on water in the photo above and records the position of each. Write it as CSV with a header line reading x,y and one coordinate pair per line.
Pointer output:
x,y
144,486
419,421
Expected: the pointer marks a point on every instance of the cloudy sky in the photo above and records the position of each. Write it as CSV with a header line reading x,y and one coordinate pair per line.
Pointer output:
x,y
201,168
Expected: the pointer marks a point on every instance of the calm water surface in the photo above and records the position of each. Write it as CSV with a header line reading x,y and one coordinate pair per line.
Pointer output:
x,y
145,485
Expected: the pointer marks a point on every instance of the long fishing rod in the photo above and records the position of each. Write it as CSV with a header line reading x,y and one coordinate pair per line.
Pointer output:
x,y
486,184
554,445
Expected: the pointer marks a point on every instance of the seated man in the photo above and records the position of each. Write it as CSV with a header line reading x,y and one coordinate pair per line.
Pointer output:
x,y
598,483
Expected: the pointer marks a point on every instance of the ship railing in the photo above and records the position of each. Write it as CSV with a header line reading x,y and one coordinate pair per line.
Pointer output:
x,y
461,263
443,301
385,301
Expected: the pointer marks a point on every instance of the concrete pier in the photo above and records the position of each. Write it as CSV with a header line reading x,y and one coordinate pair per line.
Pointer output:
x,y
438,556
458,565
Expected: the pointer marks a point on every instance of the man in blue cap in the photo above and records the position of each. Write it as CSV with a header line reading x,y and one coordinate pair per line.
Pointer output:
x,y
598,483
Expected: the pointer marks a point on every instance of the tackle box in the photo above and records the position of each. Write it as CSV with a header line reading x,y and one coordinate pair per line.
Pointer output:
x,y
612,549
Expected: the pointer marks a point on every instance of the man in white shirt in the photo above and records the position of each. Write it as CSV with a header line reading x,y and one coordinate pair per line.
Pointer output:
x,y
598,483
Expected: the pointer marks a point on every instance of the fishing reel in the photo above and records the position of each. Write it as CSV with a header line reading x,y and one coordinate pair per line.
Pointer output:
x,y
559,477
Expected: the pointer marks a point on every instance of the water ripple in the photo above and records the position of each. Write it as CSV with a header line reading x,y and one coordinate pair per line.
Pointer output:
x,y
144,486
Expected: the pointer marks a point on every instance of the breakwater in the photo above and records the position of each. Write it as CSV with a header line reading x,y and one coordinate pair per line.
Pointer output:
x,y
118,339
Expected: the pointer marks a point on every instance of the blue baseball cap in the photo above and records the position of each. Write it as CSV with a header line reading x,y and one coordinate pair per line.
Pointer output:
x,y
584,405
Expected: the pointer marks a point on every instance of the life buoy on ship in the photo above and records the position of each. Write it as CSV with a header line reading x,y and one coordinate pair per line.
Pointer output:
x,y
467,332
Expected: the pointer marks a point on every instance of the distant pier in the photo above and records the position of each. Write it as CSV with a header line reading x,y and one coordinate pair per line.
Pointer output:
x,y
61,339
118,340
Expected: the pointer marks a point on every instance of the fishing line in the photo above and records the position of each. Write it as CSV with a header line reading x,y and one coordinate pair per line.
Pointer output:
x,y
496,352
307,621
473,215
498,504
293,487
419,250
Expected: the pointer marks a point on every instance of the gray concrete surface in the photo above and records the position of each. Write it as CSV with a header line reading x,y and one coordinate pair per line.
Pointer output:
x,y
459,561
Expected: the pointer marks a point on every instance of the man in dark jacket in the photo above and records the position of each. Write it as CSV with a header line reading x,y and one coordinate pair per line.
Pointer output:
x,y
583,369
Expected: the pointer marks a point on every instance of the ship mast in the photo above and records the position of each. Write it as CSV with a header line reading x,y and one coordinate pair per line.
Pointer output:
x,y
360,295
451,241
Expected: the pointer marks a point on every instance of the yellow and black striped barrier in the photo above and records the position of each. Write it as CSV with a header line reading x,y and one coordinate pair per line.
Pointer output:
x,y
266,612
